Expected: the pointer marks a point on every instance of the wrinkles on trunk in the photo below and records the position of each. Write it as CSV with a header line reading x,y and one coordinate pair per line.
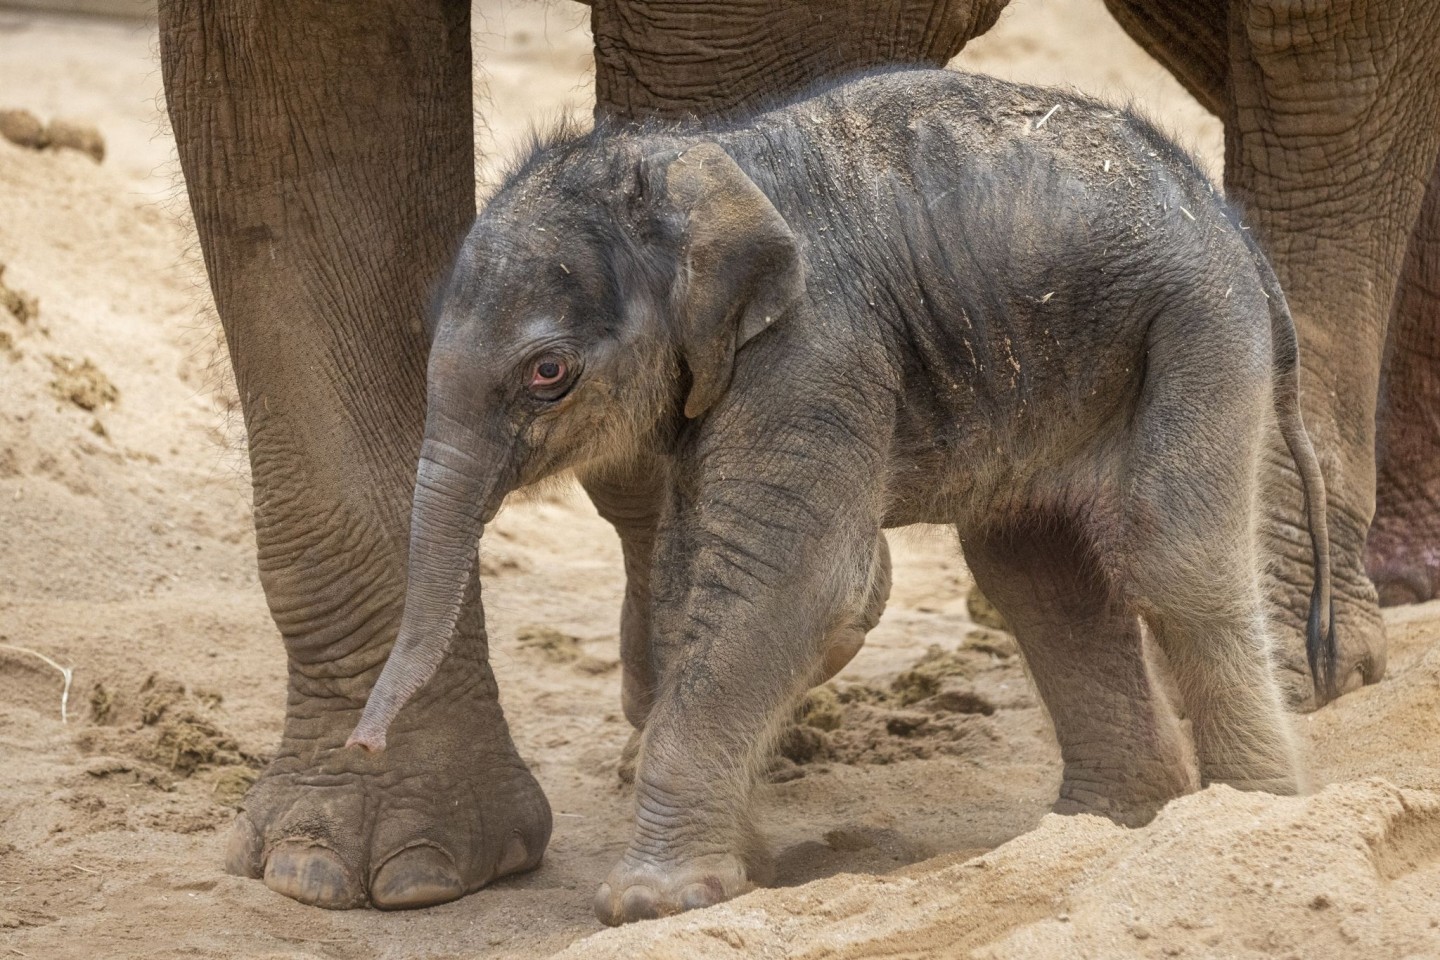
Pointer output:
x,y
675,59
456,494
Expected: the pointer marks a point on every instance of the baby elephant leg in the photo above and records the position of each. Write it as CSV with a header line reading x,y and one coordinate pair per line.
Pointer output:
x,y
631,502
1124,752
740,630
1195,572
1220,656
714,722
1190,549
1199,580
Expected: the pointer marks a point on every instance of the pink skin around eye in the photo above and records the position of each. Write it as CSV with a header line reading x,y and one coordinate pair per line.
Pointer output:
x,y
547,373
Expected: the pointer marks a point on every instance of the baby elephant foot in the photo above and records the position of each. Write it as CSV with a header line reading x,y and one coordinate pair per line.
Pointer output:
x,y
644,890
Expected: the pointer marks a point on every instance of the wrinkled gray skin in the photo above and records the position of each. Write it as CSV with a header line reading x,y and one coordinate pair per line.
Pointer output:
x,y
903,300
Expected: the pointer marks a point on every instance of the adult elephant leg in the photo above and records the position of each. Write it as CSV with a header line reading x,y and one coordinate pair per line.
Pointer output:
x,y
328,154
673,59
1403,553
1189,39
1330,143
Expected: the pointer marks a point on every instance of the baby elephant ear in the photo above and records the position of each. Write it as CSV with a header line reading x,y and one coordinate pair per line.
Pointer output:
x,y
740,267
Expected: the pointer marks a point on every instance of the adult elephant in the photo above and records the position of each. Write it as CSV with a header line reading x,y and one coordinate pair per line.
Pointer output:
x,y
327,149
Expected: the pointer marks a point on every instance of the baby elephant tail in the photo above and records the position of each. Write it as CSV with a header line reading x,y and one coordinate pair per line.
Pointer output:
x,y
1320,645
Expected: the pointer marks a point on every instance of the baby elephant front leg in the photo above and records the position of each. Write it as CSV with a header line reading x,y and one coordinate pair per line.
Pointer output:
x,y
740,629
707,738
693,843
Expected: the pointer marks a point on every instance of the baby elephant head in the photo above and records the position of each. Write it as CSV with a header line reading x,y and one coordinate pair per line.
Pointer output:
x,y
598,295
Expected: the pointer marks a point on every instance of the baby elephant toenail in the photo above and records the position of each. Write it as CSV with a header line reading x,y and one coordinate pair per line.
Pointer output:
x,y
639,903
706,893
604,906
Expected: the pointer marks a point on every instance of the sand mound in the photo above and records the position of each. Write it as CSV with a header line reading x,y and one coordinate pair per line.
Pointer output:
x,y
166,724
1352,871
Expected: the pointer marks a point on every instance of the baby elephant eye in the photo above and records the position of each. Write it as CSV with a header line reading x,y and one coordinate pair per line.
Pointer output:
x,y
547,372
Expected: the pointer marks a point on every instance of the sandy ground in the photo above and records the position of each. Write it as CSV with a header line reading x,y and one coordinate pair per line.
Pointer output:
x,y
909,814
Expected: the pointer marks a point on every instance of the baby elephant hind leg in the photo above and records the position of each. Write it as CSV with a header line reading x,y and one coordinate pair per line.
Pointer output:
x,y
1125,754
1201,590
1190,552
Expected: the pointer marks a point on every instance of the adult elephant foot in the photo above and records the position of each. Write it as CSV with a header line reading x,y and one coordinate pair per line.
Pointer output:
x,y
322,261
1403,552
447,808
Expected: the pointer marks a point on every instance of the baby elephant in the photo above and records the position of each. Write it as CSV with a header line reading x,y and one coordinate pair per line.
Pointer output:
x,y
918,297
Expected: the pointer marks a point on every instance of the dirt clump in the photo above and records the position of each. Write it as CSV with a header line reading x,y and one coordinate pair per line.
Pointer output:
x,y
983,612
102,703
496,565
82,383
74,135
822,709
930,708
549,644
231,783
554,646
164,723
21,306
923,680
997,643
23,128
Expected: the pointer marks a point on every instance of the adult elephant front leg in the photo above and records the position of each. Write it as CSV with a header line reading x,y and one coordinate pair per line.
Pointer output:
x,y
1403,553
1329,146
328,155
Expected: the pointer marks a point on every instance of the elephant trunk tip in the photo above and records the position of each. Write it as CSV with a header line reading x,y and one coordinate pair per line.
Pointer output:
x,y
367,739
369,734
408,668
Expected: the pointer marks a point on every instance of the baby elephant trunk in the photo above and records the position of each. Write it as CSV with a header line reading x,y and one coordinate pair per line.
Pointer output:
x,y
455,496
